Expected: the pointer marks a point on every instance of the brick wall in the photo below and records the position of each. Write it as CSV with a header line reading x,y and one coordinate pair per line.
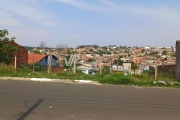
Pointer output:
x,y
55,68
22,54
165,69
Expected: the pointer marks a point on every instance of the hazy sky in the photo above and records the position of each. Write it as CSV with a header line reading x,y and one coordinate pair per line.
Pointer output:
x,y
84,22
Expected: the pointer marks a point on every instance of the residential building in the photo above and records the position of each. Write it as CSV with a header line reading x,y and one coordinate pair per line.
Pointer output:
x,y
44,59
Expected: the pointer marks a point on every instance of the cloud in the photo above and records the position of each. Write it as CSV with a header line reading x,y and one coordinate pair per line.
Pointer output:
x,y
85,5
111,8
26,10
7,20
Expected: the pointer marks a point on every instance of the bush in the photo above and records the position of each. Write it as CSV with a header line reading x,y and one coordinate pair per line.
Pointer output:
x,y
176,84
6,68
23,66
37,67
105,70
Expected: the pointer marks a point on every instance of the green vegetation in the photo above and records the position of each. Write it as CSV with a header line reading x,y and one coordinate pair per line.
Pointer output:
x,y
36,67
173,55
90,60
6,51
164,53
134,66
118,61
145,79
143,50
36,52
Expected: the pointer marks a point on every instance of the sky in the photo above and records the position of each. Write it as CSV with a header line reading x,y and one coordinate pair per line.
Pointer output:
x,y
88,22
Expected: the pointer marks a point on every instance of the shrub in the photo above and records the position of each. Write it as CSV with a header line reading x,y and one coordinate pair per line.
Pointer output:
x,y
37,67
6,68
105,70
176,84
23,66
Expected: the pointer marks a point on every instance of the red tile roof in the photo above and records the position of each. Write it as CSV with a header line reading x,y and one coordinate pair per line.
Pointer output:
x,y
34,58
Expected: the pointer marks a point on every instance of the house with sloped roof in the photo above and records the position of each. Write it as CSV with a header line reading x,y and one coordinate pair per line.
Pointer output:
x,y
44,59
21,54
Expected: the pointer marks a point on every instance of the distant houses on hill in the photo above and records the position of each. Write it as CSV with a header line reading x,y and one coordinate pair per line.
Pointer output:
x,y
142,56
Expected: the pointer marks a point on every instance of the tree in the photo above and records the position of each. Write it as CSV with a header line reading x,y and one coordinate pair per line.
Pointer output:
x,y
134,66
108,53
143,50
118,61
36,52
91,50
62,50
42,46
90,60
164,53
6,51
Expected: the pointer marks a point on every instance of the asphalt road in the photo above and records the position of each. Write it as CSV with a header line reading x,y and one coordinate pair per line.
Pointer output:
x,y
26,100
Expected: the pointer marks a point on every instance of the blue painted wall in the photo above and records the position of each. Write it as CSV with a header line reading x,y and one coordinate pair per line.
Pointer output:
x,y
45,61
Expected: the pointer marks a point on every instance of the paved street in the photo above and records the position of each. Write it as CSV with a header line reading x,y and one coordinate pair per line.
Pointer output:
x,y
26,100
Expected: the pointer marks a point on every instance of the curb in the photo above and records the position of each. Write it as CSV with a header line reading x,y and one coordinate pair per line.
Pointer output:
x,y
87,82
51,80
40,79
15,78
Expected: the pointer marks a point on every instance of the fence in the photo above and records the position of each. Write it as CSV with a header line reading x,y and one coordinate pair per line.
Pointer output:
x,y
165,69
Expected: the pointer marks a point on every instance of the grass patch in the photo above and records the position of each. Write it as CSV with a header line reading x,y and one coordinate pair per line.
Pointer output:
x,y
116,79
111,78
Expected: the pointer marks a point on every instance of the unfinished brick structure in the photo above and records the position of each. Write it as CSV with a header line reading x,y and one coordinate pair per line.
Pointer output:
x,y
21,54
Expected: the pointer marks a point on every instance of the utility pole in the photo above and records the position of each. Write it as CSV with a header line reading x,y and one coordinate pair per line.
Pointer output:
x,y
117,64
50,63
110,68
74,70
100,67
33,63
15,63
156,70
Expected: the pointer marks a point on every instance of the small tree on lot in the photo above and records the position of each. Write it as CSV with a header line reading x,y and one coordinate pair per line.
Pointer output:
x,y
134,66
90,60
143,50
164,53
118,61
6,51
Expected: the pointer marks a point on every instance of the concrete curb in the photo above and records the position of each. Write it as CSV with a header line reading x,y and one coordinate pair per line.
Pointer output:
x,y
87,82
83,81
40,79
51,80
15,78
